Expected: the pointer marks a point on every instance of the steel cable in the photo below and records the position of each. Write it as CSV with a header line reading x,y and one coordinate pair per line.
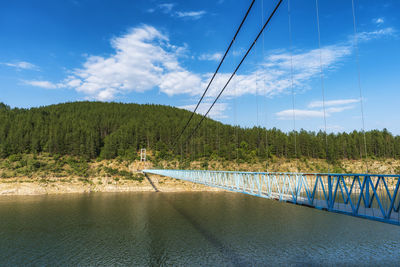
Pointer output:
x,y
234,72
322,81
266,102
215,73
291,79
359,82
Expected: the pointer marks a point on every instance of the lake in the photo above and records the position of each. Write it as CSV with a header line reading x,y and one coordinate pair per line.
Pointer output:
x,y
185,229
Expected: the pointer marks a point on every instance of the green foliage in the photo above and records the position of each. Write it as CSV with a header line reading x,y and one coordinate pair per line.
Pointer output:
x,y
4,107
185,164
204,165
111,171
79,167
397,170
122,174
96,130
85,180
14,157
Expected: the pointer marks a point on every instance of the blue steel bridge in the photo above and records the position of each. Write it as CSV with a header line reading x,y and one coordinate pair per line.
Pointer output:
x,y
370,196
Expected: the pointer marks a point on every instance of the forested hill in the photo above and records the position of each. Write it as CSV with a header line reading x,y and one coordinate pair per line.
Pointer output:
x,y
108,130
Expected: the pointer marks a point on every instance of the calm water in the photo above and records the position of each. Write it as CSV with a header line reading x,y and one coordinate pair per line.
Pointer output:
x,y
188,229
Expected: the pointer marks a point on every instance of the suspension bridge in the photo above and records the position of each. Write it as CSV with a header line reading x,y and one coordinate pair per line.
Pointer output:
x,y
370,196
374,197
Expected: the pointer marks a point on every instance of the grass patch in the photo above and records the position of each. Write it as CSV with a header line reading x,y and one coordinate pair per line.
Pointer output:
x,y
85,180
125,175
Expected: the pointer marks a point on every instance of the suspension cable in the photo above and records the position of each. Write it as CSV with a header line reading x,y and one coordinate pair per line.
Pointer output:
x,y
257,119
234,72
218,143
257,89
291,78
322,80
235,123
257,76
359,83
215,73
204,143
266,99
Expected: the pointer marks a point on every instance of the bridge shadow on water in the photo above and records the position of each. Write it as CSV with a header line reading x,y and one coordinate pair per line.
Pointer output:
x,y
228,253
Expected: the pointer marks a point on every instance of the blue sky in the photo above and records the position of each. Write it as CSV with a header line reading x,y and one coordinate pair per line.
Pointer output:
x,y
164,52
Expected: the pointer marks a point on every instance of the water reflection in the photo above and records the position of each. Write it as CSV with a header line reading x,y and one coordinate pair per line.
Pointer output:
x,y
212,229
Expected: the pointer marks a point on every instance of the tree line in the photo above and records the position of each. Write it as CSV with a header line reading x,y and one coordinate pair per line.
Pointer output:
x,y
110,130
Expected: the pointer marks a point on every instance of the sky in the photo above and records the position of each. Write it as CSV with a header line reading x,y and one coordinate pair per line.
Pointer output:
x,y
165,52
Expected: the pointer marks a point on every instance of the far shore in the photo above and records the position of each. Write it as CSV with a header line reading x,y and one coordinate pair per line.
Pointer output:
x,y
45,174
51,187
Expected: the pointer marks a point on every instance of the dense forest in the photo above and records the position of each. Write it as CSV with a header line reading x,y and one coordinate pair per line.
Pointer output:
x,y
109,130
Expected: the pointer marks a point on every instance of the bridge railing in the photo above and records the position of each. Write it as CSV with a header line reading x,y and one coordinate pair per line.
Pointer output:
x,y
372,196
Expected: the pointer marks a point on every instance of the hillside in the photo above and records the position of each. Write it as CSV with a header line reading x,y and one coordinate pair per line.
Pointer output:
x,y
29,174
109,130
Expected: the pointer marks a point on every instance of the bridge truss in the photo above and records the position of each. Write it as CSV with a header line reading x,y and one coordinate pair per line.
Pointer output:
x,y
370,196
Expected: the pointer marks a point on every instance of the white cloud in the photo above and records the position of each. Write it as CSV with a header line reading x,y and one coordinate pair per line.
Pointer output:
x,y
238,52
211,57
21,65
180,82
331,106
42,84
378,21
72,82
190,14
367,36
300,114
217,112
272,77
143,59
165,8
333,128
330,103
106,94
338,109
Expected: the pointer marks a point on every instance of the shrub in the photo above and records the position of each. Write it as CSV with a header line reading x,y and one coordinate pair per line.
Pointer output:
x,y
14,157
79,167
85,180
111,171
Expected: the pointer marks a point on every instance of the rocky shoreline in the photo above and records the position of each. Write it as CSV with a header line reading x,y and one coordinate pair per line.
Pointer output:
x,y
44,174
103,184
